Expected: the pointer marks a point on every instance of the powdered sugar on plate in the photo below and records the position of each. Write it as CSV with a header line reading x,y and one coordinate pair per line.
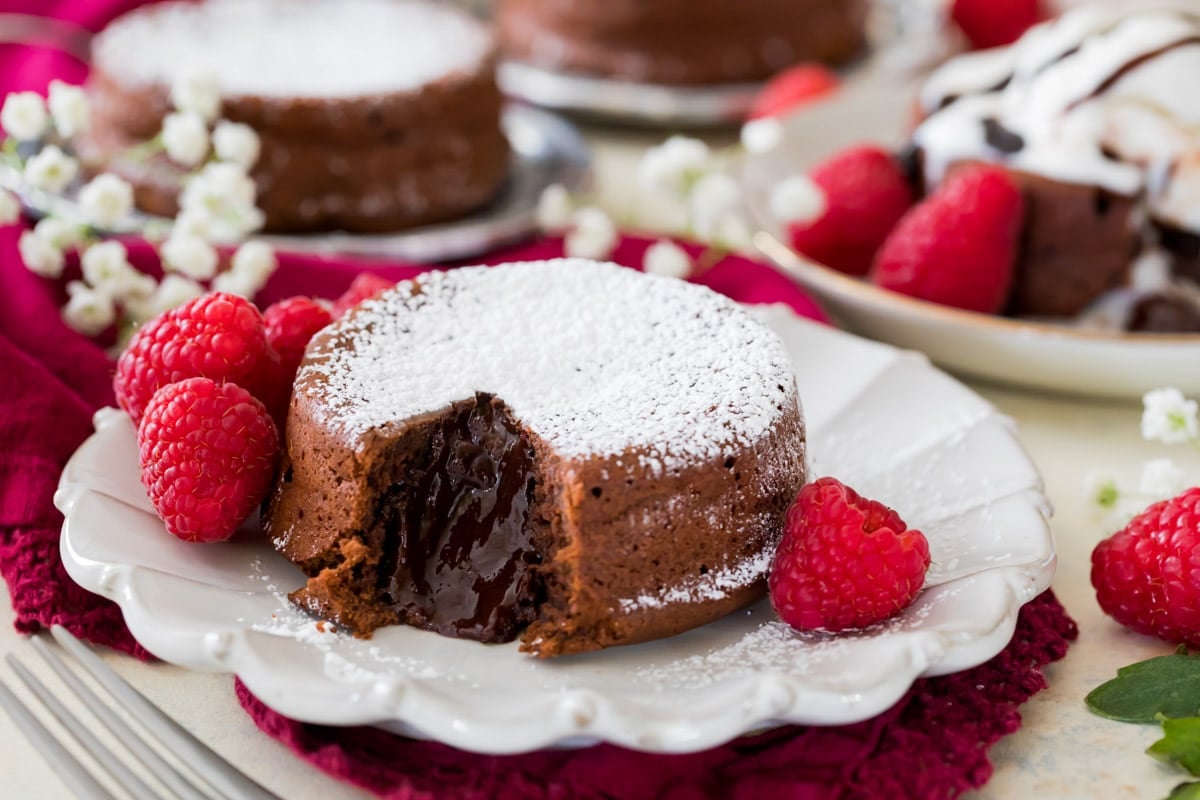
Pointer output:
x,y
594,358
295,48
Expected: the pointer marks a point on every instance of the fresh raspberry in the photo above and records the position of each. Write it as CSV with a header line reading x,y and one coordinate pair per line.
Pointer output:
x,y
290,324
218,336
1145,573
793,88
866,194
844,561
959,247
365,285
994,23
207,452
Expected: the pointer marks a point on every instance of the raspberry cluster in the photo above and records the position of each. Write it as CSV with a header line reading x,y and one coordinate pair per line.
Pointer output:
x,y
207,385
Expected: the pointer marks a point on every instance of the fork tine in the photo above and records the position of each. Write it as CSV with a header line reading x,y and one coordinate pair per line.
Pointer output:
x,y
214,769
153,762
65,765
104,757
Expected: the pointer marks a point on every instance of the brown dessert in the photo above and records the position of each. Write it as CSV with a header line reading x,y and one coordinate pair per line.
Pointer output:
x,y
570,452
680,42
374,115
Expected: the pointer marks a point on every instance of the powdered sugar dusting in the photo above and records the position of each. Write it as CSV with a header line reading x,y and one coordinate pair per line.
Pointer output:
x,y
596,359
714,585
295,48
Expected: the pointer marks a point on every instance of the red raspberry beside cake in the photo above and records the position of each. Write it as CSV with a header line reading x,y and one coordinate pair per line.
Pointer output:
x,y
680,42
573,453
374,115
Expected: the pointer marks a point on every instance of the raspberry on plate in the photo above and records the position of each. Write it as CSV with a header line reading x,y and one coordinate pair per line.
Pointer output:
x,y
218,336
844,561
289,325
365,285
866,194
793,88
1145,574
988,23
207,452
959,247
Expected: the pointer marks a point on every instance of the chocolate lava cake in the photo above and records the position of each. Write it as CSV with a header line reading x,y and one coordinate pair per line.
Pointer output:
x,y
374,115
568,452
1095,115
697,42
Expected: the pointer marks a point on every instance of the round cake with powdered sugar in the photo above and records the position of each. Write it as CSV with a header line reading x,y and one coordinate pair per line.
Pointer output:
x,y
569,452
1095,116
681,42
374,115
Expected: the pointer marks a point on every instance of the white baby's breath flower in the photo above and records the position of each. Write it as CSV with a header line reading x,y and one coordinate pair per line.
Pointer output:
x,y
714,197
255,260
193,222
554,209
1101,490
59,232
1161,479
236,143
106,199
24,117
173,291
1169,417
225,195
185,138
666,258
88,311
797,200
106,268
238,283
593,234
10,207
69,107
196,91
732,232
51,169
762,135
673,165
190,256
40,255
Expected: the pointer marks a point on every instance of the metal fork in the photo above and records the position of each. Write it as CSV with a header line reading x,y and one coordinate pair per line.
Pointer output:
x,y
214,776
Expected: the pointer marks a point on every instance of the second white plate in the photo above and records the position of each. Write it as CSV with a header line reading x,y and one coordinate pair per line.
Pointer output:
x,y
881,419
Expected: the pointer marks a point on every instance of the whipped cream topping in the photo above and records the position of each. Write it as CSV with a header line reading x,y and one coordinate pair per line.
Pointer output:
x,y
596,359
295,48
1102,96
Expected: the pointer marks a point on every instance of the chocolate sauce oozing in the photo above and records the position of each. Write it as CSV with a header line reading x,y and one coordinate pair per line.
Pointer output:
x,y
458,552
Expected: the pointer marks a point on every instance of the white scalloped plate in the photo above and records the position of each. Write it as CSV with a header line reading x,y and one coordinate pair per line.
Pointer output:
x,y
881,419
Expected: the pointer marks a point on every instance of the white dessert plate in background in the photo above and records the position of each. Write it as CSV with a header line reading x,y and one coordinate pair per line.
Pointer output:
x,y
881,419
1039,355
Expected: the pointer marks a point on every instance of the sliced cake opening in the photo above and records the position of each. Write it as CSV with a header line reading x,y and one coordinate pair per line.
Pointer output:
x,y
459,539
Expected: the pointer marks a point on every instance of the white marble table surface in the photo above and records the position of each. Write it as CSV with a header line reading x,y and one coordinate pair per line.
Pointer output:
x,y
1061,751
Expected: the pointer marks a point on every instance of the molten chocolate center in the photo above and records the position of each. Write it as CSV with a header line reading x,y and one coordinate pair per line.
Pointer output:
x,y
458,552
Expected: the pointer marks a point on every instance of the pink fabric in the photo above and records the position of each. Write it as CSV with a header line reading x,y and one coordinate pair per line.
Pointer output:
x,y
931,744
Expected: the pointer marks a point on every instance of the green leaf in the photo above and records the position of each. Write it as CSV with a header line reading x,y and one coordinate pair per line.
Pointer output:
x,y
1166,686
1185,791
1180,744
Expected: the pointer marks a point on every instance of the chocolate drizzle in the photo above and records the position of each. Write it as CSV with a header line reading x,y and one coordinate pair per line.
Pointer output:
x,y
458,552
1000,138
